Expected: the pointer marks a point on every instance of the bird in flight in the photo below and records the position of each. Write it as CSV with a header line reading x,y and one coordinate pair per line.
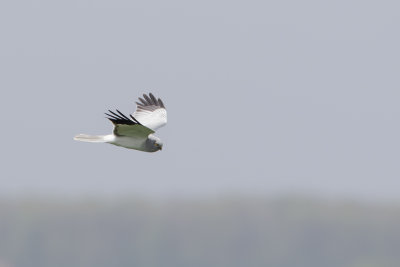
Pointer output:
x,y
135,131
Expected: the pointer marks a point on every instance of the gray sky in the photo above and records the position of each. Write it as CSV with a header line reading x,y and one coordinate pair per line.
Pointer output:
x,y
263,97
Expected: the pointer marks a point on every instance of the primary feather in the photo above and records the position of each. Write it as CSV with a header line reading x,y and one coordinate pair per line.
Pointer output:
x,y
151,112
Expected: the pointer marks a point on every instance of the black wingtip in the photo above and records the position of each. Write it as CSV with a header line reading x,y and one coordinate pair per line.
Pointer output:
x,y
134,119
120,118
122,115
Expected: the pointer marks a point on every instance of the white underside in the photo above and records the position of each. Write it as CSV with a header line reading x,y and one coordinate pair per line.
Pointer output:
x,y
128,142
123,141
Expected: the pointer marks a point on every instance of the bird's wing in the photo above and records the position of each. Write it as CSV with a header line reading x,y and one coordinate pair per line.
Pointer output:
x,y
151,112
124,126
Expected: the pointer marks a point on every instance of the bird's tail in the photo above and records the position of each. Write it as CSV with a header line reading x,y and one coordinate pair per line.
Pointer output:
x,y
93,138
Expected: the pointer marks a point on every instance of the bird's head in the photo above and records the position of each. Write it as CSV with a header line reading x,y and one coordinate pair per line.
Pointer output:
x,y
155,143
158,145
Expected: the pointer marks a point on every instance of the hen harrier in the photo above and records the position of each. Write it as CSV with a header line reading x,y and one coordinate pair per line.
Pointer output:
x,y
137,131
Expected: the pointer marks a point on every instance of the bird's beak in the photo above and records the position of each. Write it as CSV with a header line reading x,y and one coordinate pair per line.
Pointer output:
x,y
160,147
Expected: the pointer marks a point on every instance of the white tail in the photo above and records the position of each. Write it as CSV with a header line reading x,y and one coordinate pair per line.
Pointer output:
x,y
93,138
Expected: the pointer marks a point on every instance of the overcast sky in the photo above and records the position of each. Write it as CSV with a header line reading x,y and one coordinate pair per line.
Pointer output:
x,y
263,97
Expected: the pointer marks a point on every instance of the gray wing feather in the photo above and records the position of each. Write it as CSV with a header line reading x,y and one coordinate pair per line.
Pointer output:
x,y
155,102
150,102
160,103
143,101
151,112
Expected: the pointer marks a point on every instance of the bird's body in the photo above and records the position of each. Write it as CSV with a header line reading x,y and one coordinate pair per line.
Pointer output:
x,y
134,143
129,142
137,132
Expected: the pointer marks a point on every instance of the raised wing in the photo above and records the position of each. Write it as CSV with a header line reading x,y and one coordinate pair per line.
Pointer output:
x,y
124,126
151,112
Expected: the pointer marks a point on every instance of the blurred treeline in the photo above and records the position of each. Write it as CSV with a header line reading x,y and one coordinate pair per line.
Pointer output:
x,y
246,232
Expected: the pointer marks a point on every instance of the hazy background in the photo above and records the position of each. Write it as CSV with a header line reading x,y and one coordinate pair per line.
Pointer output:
x,y
266,99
